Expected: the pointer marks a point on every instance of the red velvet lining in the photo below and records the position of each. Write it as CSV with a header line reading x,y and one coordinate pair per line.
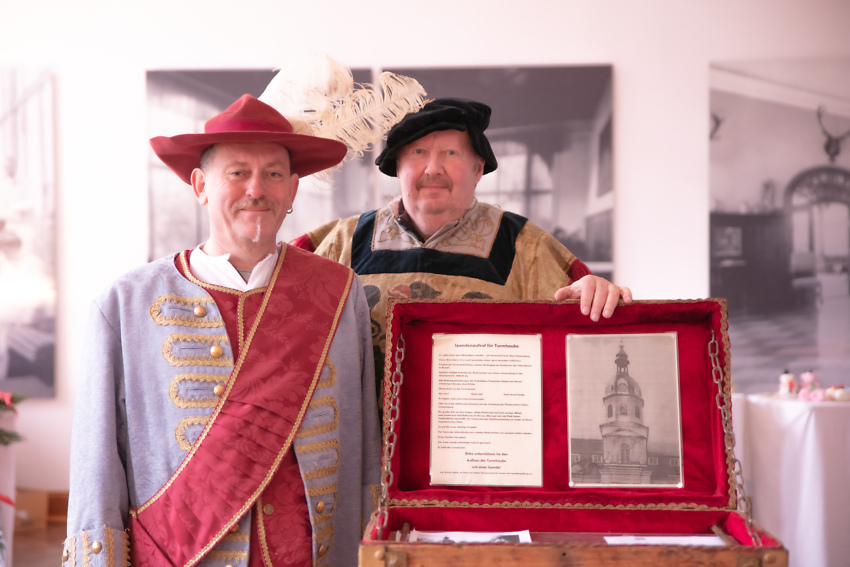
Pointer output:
x,y
706,475
736,526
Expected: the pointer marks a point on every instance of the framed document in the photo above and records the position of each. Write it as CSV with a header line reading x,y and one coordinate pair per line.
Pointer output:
x,y
624,410
486,422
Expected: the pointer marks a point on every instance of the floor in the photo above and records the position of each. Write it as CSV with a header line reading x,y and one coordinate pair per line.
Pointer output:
x,y
814,337
39,548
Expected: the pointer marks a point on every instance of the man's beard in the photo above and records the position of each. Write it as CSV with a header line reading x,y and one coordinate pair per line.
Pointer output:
x,y
261,203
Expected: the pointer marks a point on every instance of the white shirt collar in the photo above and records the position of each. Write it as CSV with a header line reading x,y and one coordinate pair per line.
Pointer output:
x,y
217,270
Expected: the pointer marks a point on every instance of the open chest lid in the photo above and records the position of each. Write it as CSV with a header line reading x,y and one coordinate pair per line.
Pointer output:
x,y
657,443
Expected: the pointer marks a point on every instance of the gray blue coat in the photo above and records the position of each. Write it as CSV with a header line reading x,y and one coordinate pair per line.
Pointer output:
x,y
137,414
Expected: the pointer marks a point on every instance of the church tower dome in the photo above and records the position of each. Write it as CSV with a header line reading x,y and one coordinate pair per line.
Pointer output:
x,y
624,436
623,399
622,383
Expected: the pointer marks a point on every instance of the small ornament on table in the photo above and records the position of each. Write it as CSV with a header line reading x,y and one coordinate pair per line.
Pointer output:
x,y
810,389
787,384
838,394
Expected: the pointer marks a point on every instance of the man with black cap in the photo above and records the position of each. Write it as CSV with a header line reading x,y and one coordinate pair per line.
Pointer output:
x,y
437,240
226,412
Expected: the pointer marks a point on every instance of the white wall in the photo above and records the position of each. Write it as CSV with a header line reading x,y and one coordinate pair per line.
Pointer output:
x,y
660,50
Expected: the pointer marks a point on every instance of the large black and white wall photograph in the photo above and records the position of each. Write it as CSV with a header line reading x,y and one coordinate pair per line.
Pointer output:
x,y
27,232
550,128
780,216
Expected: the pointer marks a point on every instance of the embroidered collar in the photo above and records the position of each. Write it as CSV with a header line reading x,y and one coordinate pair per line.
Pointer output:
x,y
473,233
402,218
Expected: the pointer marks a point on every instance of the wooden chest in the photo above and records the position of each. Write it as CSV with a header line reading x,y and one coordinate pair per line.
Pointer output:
x,y
630,425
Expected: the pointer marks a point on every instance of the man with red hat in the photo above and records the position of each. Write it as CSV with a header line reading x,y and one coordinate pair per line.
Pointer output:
x,y
437,240
226,413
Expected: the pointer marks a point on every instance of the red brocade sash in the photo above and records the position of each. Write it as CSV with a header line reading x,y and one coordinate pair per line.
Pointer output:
x,y
256,420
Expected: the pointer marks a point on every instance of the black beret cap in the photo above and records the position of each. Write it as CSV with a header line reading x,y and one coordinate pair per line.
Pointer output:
x,y
440,114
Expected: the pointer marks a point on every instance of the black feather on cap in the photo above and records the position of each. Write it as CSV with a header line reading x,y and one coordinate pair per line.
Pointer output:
x,y
440,114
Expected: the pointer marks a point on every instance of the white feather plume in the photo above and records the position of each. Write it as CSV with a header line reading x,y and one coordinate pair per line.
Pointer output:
x,y
306,89
319,97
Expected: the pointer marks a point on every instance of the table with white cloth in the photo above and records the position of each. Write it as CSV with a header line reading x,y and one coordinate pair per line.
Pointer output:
x,y
796,463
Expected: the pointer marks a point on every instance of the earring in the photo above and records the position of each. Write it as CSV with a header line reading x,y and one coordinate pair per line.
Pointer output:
x,y
289,212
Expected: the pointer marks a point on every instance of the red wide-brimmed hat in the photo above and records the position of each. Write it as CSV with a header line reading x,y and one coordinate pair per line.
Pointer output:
x,y
248,120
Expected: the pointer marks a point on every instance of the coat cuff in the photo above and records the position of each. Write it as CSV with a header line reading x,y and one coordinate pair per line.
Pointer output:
x,y
578,270
102,547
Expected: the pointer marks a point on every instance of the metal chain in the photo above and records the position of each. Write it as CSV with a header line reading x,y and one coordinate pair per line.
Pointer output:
x,y
744,502
391,438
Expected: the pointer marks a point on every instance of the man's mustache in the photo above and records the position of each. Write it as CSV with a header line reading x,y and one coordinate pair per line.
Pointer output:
x,y
432,180
260,203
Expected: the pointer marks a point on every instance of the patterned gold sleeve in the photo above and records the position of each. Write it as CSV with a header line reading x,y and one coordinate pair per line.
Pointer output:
x,y
544,262
335,242
319,235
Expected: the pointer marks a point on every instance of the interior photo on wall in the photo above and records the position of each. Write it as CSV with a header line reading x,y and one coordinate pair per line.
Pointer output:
x,y
551,131
780,217
27,232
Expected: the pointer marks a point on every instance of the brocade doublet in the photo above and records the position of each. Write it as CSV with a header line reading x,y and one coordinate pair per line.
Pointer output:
x,y
486,254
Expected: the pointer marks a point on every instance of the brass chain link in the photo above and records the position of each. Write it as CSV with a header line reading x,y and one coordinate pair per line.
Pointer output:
x,y
744,502
391,439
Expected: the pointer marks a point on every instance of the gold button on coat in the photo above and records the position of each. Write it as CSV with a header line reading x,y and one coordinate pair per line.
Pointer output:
x,y
65,555
322,549
234,529
268,509
320,507
96,547
216,351
200,311
218,390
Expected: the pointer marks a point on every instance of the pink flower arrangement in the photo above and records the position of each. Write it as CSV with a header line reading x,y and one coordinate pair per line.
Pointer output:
x,y
7,403
6,397
809,388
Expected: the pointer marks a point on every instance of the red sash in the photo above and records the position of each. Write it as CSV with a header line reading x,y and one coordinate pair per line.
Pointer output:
x,y
256,420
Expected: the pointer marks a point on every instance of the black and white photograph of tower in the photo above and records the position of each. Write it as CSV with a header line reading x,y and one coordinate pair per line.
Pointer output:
x,y
624,416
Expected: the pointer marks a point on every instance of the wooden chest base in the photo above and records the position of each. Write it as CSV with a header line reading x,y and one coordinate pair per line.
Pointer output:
x,y
565,554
